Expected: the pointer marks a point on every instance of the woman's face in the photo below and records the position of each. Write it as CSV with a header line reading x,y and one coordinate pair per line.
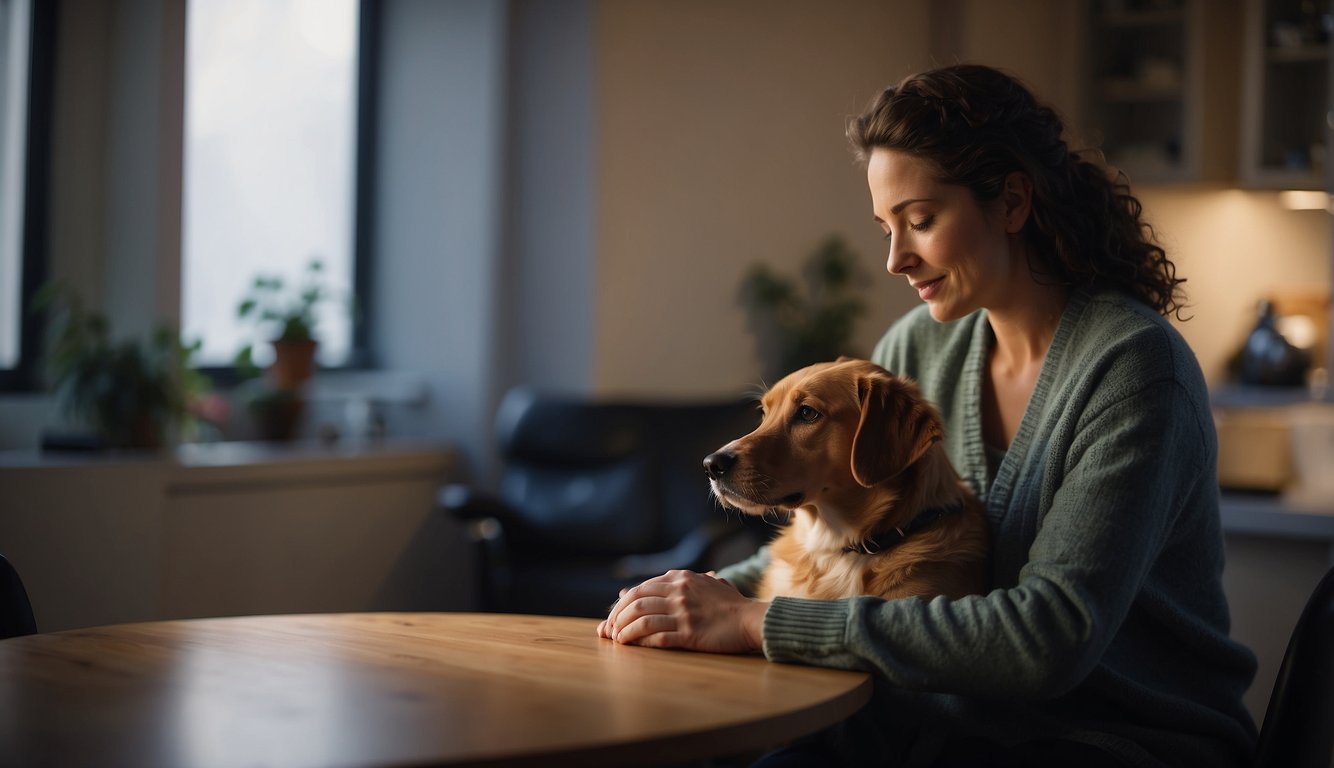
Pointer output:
x,y
955,253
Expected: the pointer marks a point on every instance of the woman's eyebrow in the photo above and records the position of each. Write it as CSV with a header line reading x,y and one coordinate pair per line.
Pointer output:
x,y
904,204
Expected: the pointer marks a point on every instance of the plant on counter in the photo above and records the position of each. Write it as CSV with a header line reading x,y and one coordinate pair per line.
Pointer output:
x,y
134,393
795,329
287,318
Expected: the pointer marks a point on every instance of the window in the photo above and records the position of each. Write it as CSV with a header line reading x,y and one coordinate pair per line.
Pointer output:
x,y
25,104
271,161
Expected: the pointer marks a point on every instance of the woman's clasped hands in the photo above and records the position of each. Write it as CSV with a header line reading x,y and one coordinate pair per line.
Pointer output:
x,y
684,609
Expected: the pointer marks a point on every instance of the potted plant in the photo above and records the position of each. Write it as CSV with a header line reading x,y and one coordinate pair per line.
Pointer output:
x,y
795,328
288,318
132,393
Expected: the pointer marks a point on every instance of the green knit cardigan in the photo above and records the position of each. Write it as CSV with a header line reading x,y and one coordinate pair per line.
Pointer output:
x,y
1106,622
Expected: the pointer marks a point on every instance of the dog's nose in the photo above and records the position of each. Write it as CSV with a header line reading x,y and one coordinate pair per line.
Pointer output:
x,y
717,464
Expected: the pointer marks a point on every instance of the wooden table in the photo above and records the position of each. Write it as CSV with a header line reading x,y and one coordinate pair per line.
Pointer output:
x,y
382,689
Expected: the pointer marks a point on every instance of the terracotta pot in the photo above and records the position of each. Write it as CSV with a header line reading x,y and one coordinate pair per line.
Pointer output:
x,y
293,363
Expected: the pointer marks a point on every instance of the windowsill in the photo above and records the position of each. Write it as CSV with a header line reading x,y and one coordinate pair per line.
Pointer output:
x,y
197,466
234,465
352,402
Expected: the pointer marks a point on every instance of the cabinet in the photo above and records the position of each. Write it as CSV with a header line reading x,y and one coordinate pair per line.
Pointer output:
x,y
231,528
1285,94
1160,96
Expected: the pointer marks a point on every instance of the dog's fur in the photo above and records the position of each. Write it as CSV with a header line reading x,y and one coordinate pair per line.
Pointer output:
x,y
866,458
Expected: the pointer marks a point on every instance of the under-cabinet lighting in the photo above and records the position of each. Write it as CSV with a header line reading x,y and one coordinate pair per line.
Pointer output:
x,y
1304,200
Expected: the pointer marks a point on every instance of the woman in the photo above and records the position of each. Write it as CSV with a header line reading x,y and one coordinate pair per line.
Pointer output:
x,y
1077,413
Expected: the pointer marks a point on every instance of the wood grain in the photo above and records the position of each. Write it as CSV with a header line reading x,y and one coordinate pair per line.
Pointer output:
x,y
393,689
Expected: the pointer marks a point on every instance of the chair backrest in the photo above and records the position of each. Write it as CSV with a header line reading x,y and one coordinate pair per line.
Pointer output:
x,y
605,478
15,611
1300,717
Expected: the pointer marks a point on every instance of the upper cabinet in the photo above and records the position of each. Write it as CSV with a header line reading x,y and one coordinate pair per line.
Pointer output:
x,y
1285,96
1161,95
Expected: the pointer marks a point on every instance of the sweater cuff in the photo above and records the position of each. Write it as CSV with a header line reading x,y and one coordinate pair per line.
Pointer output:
x,y
800,630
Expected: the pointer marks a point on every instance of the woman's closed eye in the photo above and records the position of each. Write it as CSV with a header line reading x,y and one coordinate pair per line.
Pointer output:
x,y
916,226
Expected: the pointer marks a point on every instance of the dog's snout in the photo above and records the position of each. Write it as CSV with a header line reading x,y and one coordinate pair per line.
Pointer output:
x,y
717,464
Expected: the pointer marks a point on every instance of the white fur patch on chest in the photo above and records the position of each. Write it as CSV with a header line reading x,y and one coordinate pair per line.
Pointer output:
x,y
841,576
834,573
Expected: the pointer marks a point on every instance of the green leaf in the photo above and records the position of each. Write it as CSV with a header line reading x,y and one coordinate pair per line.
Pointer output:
x,y
245,362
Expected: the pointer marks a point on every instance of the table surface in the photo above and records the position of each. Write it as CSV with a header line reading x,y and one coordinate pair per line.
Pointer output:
x,y
393,689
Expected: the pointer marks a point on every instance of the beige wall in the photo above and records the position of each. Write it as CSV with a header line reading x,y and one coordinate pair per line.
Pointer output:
x,y
720,143
1033,39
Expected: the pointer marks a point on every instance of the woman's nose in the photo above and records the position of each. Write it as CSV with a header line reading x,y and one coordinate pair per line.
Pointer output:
x,y
900,259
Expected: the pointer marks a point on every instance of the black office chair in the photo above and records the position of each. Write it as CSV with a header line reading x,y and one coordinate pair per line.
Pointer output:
x,y
15,611
1298,729
597,495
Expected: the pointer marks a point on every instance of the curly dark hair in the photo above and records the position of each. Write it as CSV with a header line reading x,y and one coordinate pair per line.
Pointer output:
x,y
975,125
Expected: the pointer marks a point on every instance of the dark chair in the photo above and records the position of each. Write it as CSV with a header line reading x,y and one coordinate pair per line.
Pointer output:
x,y
15,610
598,495
1298,729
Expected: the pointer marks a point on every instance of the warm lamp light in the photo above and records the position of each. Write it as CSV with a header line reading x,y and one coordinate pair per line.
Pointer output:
x,y
1304,200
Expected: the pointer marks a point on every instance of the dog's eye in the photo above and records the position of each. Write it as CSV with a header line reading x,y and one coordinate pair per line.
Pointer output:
x,y
807,414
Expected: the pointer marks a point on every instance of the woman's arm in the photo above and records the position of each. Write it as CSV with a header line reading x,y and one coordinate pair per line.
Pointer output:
x,y
746,575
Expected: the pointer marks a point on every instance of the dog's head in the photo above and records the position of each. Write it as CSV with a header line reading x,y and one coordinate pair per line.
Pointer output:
x,y
829,432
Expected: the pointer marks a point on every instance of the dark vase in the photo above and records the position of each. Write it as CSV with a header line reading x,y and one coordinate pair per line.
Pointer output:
x,y
1270,360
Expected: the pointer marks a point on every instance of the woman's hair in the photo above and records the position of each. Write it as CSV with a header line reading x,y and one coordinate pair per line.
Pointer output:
x,y
975,125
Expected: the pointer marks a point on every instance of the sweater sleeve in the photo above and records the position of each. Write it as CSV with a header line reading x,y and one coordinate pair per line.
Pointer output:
x,y
1114,493
745,575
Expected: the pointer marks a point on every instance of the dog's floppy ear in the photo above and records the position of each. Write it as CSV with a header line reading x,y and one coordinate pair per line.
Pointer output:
x,y
897,426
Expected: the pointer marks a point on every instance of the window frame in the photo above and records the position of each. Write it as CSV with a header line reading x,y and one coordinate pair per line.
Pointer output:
x,y
34,246
363,235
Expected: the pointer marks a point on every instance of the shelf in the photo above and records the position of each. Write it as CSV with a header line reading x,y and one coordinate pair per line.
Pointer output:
x,y
1254,396
1130,90
1151,81
1301,54
1161,18
1267,177
1284,98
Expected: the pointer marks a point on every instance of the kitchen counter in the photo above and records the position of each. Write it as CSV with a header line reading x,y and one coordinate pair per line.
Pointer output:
x,y
1269,515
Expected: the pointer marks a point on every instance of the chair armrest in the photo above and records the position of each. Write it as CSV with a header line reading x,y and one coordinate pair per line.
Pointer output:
x,y
464,502
481,514
686,553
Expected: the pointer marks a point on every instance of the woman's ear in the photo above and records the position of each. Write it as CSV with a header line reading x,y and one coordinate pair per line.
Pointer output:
x,y
1018,199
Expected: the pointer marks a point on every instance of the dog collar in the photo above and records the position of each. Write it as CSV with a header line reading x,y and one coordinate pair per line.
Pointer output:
x,y
891,538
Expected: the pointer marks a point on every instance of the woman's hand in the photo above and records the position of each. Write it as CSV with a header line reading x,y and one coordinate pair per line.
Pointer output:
x,y
683,609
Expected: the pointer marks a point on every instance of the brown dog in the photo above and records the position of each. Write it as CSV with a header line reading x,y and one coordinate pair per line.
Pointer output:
x,y
854,454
